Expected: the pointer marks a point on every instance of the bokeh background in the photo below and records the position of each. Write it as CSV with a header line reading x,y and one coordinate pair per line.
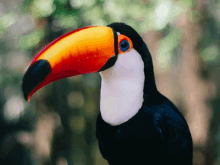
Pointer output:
x,y
58,125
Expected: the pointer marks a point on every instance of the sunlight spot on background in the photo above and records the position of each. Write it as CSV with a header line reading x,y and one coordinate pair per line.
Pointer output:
x,y
75,99
13,108
62,161
7,20
94,15
163,60
79,3
109,6
166,47
66,21
100,22
139,12
116,11
162,12
210,53
42,8
30,40
25,138
76,3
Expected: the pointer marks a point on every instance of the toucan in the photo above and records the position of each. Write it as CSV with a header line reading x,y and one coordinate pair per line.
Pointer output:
x,y
136,124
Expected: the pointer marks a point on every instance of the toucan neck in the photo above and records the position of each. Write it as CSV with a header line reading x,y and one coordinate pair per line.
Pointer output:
x,y
122,88
150,89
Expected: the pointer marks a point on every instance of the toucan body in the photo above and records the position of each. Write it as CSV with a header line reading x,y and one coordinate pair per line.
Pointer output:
x,y
156,135
136,124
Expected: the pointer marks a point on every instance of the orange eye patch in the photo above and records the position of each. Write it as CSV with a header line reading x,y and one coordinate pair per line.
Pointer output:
x,y
124,44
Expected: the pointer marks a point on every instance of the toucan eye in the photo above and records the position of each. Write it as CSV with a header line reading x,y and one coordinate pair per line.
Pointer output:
x,y
124,45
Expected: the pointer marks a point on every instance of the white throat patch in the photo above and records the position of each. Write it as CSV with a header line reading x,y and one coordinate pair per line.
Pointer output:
x,y
122,88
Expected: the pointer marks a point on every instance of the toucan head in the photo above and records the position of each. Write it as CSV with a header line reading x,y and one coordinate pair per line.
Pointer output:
x,y
85,50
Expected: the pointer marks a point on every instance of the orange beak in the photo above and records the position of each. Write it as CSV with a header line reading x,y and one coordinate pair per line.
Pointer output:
x,y
85,50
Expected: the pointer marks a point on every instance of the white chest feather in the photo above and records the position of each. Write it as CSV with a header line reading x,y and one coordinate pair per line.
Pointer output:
x,y
122,88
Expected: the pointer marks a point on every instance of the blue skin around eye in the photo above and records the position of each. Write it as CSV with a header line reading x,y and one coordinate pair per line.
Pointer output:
x,y
122,43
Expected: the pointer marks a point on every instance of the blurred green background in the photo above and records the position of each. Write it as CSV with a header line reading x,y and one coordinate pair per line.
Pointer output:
x,y
58,125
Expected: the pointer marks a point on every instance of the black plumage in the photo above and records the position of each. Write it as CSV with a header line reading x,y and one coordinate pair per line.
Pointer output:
x,y
157,134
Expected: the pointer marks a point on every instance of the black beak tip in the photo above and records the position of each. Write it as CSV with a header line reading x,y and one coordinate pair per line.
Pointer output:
x,y
35,74
25,92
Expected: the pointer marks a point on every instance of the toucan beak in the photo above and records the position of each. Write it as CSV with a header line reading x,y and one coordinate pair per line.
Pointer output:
x,y
85,50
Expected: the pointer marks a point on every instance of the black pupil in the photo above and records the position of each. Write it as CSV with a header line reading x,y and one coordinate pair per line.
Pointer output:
x,y
124,44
